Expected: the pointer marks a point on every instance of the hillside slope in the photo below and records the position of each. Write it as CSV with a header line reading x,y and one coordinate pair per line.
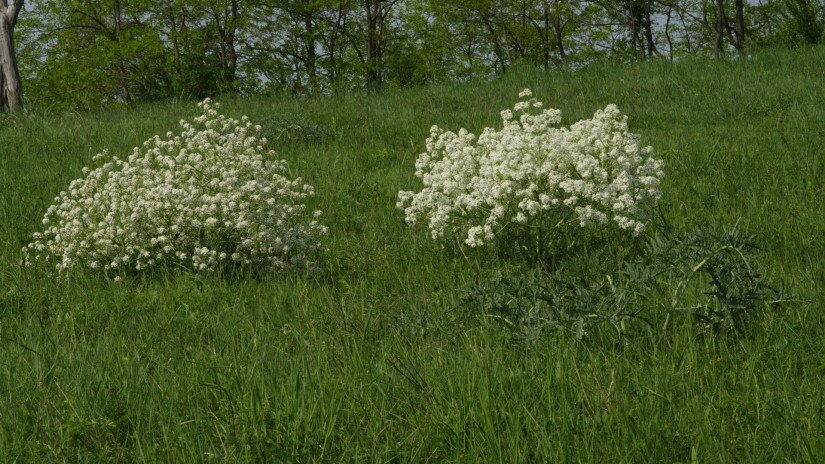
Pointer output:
x,y
374,362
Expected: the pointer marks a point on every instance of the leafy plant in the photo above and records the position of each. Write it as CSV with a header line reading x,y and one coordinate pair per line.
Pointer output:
x,y
534,303
714,275
806,20
293,128
711,274
532,175
196,200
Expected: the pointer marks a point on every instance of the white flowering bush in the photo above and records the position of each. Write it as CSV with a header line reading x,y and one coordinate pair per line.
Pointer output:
x,y
199,199
533,173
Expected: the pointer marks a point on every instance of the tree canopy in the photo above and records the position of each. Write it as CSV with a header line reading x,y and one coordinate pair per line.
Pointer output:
x,y
84,53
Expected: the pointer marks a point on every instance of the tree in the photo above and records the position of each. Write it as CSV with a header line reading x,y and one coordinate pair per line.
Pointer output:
x,y
285,45
721,22
805,19
191,69
551,20
86,53
375,17
98,51
226,17
11,89
739,29
333,36
636,18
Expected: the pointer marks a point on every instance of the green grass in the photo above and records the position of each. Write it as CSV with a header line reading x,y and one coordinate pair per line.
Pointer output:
x,y
374,362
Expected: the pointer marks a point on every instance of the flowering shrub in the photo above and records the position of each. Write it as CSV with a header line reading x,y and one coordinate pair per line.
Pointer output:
x,y
195,200
595,171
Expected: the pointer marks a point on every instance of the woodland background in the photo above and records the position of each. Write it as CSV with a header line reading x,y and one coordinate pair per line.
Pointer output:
x,y
81,54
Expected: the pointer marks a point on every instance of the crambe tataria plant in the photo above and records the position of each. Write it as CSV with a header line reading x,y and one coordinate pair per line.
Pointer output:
x,y
200,199
531,173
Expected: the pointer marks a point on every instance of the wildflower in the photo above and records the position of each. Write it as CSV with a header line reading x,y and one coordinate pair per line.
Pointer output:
x,y
189,199
474,186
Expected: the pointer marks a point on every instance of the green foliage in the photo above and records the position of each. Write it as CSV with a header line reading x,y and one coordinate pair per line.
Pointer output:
x,y
533,304
716,270
806,20
81,54
372,363
284,127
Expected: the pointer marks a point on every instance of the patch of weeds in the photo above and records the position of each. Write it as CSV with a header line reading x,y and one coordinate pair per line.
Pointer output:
x,y
711,274
535,303
108,432
292,128
714,275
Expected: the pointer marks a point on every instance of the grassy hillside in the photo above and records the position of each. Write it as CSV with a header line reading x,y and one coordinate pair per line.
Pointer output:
x,y
376,361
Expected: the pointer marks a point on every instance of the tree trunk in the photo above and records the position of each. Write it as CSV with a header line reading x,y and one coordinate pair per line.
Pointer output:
x,y
174,36
334,31
558,27
636,20
117,17
375,52
124,81
545,36
11,89
311,54
651,42
500,64
720,25
226,23
233,52
740,25
667,33
688,44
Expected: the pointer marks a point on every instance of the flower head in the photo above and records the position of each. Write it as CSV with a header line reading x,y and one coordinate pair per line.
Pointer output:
x,y
474,186
189,199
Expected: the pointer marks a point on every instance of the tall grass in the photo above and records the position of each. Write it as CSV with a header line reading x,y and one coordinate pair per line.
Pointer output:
x,y
376,361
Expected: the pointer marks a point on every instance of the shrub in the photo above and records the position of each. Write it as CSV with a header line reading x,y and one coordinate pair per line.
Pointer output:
x,y
196,200
533,175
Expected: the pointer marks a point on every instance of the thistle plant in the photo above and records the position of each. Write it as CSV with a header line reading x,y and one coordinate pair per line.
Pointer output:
x,y
207,196
714,274
534,304
532,174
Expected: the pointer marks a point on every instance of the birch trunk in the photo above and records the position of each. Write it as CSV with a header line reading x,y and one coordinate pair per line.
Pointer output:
x,y
11,89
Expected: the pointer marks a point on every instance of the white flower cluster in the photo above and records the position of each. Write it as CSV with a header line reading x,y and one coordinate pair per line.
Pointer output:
x,y
195,200
529,169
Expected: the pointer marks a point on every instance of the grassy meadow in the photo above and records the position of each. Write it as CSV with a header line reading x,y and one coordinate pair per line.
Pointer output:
x,y
377,360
